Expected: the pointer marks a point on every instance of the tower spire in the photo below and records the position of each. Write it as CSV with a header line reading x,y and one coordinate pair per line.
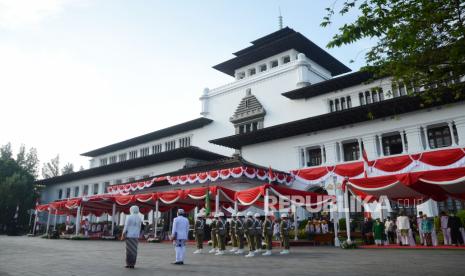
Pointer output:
x,y
280,19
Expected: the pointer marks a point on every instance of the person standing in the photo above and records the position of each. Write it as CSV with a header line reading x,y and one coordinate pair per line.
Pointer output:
x,y
268,234
131,233
454,224
214,237
426,229
258,233
389,227
250,234
284,230
199,228
232,232
403,225
239,231
378,232
419,223
179,235
221,233
444,228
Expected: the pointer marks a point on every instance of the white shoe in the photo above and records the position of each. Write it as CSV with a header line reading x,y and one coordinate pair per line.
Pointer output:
x,y
234,249
213,250
251,254
196,251
239,251
284,252
258,250
217,250
219,253
267,253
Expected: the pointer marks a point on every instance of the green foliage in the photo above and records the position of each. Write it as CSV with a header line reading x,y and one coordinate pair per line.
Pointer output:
x,y
342,224
67,169
52,168
16,191
461,215
418,42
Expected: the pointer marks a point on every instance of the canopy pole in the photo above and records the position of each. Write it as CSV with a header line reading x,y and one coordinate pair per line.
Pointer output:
x,y
217,202
36,214
113,211
55,220
78,219
48,219
156,220
266,206
335,225
235,206
196,210
347,212
296,228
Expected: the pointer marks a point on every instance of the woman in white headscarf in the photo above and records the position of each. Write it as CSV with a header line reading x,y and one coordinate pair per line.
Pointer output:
x,y
131,233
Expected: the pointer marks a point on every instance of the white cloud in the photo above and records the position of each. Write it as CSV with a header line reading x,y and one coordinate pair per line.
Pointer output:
x,y
23,13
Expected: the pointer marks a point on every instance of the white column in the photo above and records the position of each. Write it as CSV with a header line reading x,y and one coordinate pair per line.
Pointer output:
x,y
380,142
48,219
296,230
36,215
113,212
305,157
460,126
335,216
452,136
341,152
266,206
360,148
78,219
235,206
55,220
321,154
369,146
347,212
156,219
196,210
414,139
217,202
425,132
403,140
331,152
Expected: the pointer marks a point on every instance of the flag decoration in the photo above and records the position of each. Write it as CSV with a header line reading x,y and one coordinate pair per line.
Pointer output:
x,y
207,203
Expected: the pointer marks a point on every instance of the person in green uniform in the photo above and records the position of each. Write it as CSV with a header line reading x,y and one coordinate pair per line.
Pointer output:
x,y
268,234
258,233
249,229
378,232
239,231
199,228
232,232
213,235
284,229
221,233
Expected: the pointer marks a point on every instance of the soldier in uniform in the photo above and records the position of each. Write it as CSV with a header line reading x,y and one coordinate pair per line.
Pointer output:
x,y
268,234
284,229
250,234
239,231
213,235
258,233
199,228
232,232
221,233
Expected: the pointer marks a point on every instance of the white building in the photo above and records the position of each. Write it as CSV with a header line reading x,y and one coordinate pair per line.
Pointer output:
x,y
288,106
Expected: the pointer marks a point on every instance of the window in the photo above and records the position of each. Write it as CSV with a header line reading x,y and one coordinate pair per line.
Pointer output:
x,y
131,179
60,193
170,145
274,64
439,137
241,75
185,142
262,68
368,97
374,95
118,181
85,191
349,102
144,151
392,144
106,185
113,159
314,157
286,59
68,192
132,154
123,157
381,94
331,106
351,151
402,89
156,149
395,90
76,191
361,98
249,126
252,71
343,104
95,190
103,161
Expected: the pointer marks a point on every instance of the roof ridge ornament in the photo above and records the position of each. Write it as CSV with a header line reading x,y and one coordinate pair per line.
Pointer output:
x,y
280,19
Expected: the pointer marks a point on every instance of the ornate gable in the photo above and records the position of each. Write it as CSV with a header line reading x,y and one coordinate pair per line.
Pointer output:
x,y
249,114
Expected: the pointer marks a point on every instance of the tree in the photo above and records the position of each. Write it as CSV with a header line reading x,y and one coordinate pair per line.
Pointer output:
x,y
67,169
6,152
419,42
28,160
51,168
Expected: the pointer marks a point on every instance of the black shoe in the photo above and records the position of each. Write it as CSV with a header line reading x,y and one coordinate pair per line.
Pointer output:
x,y
178,263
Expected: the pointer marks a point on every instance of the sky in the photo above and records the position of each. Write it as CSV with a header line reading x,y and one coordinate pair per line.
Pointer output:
x,y
76,75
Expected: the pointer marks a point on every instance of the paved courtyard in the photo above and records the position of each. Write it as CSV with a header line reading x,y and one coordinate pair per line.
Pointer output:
x,y
35,256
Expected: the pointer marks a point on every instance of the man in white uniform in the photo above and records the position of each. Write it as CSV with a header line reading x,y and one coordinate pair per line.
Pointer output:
x,y
179,236
445,230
